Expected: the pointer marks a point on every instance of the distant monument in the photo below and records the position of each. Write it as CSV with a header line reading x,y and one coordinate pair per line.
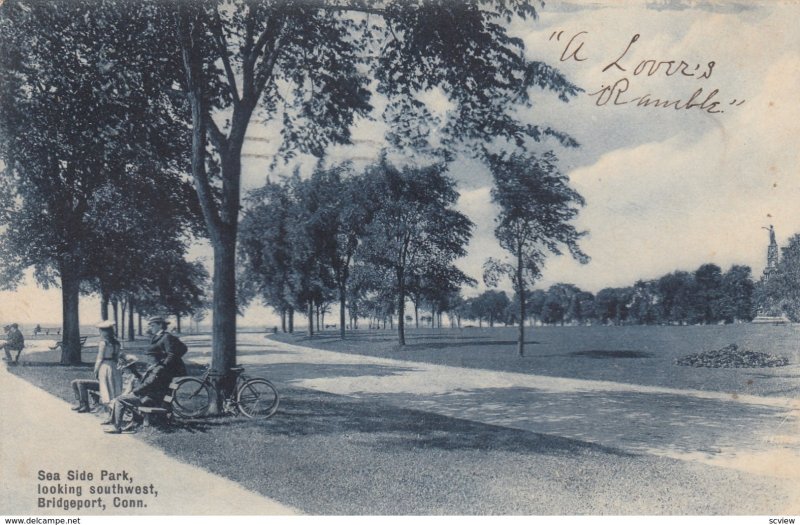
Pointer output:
x,y
772,255
772,267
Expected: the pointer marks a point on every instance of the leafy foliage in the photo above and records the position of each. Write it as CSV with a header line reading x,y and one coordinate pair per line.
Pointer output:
x,y
780,293
91,138
536,207
415,233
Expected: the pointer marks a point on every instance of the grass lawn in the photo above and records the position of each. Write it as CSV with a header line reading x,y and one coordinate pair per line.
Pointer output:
x,y
628,354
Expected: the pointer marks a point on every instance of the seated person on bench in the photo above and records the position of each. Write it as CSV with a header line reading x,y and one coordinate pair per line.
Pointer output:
x,y
153,387
15,341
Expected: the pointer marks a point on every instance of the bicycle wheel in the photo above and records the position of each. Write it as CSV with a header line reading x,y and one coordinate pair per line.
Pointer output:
x,y
191,398
257,398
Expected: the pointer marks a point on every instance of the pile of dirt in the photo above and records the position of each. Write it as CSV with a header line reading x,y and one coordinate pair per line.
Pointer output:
x,y
732,356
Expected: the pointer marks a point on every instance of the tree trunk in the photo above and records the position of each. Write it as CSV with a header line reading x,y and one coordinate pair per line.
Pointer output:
x,y
401,307
221,216
342,305
416,315
123,311
521,299
291,320
223,348
283,320
114,306
140,323
104,306
132,305
71,333
178,323
310,314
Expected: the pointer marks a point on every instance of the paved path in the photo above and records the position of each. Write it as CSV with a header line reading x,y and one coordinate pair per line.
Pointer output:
x,y
750,433
40,432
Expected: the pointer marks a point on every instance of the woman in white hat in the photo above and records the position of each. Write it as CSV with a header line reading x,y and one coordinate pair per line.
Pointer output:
x,y
108,378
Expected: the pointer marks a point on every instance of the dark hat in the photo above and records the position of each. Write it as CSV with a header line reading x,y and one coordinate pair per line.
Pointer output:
x,y
157,319
14,325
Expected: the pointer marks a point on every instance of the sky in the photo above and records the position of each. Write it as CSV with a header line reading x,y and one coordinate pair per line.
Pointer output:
x,y
665,189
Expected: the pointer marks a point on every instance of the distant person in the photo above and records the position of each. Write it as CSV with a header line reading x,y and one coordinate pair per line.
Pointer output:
x,y
154,385
14,341
37,330
108,377
169,344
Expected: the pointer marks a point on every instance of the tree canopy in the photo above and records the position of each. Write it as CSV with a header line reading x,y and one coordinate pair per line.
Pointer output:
x,y
537,206
90,138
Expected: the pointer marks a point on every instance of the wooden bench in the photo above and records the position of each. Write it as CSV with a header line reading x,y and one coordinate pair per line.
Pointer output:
x,y
60,344
152,414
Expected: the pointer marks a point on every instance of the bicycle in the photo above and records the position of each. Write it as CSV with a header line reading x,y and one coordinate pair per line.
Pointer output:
x,y
255,397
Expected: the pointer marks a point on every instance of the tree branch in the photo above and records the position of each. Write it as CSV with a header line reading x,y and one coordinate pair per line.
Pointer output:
x,y
193,70
217,137
349,8
222,45
268,62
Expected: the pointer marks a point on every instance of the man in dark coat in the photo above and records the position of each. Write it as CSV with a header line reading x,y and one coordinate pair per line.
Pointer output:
x,y
170,345
14,341
153,386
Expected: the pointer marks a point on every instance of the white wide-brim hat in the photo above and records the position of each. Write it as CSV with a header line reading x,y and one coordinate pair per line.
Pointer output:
x,y
105,324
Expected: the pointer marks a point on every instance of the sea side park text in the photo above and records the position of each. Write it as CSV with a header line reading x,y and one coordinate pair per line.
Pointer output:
x,y
59,490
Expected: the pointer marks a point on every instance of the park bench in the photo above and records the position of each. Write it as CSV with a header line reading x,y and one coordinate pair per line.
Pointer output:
x,y
151,415
60,344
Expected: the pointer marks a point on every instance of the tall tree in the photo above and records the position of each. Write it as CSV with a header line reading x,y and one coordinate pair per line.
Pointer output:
x,y
708,292
643,308
82,103
676,291
612,304
265,248
310,65
492,306
415,226
536,207
737,294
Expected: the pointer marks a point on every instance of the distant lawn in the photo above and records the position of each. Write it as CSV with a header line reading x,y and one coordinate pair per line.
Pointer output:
x,y
626,354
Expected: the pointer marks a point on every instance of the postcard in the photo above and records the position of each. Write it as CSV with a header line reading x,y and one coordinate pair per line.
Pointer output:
x,y
389,258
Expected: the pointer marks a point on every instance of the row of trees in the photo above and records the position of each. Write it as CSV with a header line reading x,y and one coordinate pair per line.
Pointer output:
x,y
705,296
369,241
120,100
91,142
